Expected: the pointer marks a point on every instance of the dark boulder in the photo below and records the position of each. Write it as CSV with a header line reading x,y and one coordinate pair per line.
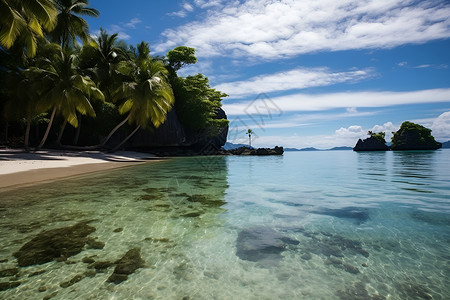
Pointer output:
x,y
262,244
371,144
59,243
126,265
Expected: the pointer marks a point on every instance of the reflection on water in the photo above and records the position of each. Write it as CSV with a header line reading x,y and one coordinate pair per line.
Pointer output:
x,y
317,225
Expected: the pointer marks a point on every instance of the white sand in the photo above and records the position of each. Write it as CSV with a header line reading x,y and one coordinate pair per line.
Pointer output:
x,y
18,168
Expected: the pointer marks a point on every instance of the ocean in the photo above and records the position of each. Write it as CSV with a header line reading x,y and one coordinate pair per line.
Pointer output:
x,y
304,225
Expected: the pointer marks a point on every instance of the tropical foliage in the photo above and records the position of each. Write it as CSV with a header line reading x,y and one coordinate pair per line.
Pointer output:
x,y
51,81
413,136
380,136
24,21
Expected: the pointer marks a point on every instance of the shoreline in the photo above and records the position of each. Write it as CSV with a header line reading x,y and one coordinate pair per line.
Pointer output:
x,y
20,169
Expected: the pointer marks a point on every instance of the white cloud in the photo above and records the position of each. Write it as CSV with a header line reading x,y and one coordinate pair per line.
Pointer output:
x,y
319,102
286,28
132,23
183,12
123,36
441,127
299,78
188,7
341,137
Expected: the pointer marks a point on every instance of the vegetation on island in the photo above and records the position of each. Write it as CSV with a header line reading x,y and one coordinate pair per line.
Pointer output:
x,y
60,85
413,136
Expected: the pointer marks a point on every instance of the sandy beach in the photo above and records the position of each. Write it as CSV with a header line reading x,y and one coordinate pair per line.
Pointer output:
x,y
18,168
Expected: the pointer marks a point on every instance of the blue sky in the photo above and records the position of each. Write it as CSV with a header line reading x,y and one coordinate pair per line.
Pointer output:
x,y
310,73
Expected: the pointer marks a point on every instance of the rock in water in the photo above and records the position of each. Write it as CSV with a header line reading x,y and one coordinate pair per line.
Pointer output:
x,y
59,243
260,244
371,144
125,266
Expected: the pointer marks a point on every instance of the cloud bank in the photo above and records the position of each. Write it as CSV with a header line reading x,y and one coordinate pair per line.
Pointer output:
x,y
270,29
321,102
299,78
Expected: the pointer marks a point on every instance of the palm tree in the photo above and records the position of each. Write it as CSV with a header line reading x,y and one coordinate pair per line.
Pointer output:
x,y
249,133
24,21
65,91
99,60
145,93
70,26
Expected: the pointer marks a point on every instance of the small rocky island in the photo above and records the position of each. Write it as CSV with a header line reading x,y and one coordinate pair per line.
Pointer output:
x,y
410,136
252,151
375,142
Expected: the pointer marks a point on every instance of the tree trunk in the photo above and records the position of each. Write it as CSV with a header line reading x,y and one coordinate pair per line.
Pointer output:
x,y
6,131
27,133
114,130
48,129
77,133
61,131
126,139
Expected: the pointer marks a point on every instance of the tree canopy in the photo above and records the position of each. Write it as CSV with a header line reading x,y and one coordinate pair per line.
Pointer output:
x,y
57,79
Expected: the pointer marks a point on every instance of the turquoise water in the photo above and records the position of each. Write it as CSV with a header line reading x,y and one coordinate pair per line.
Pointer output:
x,y
307,225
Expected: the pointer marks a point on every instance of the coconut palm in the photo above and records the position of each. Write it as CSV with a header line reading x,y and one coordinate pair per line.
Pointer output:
x,y
100,58
70,26
145,94
24,21
249,133
63,89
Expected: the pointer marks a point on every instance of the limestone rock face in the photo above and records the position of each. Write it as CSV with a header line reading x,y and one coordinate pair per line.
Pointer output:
x,y
370,144
174,134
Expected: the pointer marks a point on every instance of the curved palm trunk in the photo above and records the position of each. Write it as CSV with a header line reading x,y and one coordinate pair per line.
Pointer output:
x,y
77,133
61,132
114,130
48,129
126,139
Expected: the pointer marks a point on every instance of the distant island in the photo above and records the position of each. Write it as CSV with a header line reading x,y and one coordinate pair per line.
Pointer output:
x,y
410,136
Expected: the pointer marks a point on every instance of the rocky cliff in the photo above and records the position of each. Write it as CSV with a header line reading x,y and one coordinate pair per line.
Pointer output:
x,y
172,136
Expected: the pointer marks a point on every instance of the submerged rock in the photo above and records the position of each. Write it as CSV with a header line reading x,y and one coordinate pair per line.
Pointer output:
x,y
413,290
261,244
9,285
9,272
125,266
359,214
334,245
72,281
357,291
206,200
59,243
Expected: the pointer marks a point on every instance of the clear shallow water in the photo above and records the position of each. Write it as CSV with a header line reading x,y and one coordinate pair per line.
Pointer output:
x,y
312,225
